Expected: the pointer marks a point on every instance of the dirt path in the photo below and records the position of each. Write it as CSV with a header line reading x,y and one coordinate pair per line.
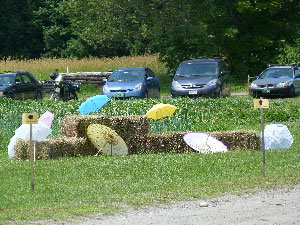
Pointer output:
x,y
276,206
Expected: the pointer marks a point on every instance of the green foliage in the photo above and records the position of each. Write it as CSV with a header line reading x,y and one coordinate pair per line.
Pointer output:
x,y
289,53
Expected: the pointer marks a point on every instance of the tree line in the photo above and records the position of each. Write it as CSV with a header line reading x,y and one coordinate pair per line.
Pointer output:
x,y
248,34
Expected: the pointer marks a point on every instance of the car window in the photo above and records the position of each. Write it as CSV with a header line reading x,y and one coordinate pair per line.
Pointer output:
x,y
297,72
277,73
126,75
205,69
26,79
19,79
6,80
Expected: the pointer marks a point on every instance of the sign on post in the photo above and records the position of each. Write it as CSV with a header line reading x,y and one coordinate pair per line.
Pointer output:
x,y
30,118
262,104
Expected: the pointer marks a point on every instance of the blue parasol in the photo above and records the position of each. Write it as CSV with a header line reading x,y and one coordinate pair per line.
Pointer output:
x,y
93,104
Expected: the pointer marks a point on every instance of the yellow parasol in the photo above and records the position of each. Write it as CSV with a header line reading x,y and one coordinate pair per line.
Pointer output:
x,y
159,111
106,140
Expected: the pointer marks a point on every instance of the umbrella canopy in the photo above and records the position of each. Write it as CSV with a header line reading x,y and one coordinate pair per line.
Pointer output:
x,y
204,143
39,133
161,110
93,104
47,118
106,140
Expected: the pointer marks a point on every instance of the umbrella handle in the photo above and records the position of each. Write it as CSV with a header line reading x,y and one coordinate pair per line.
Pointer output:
x,y
163,125
101,148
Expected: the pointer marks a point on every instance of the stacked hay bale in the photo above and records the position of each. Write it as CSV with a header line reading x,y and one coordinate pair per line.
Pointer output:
x,y
135,132
128,127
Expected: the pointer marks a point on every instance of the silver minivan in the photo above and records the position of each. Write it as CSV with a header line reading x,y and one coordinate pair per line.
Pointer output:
x,y
208,77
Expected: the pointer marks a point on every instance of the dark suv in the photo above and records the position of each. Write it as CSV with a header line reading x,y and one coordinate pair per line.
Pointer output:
x,y
207,77
277,80
20,85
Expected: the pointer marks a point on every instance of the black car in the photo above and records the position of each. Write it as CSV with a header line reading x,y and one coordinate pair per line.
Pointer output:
x,y
277,80
207,77
20,85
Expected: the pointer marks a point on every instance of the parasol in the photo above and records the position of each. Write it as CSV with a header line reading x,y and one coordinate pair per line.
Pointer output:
x,y
159,111
204,143
106,140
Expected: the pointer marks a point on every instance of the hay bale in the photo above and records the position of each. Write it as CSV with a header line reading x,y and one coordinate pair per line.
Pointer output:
x,y
55,147
173,142
76,125
128,127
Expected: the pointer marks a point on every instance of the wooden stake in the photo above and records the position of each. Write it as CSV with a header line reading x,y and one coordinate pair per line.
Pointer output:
x,y
31,158
263,138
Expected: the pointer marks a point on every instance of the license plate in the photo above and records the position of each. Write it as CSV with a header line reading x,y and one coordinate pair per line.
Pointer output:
x,y
121,95
193,92
266,91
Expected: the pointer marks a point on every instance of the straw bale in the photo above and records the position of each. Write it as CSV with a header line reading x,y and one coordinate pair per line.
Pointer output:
x,y
173,142
128,127
76,125
55,147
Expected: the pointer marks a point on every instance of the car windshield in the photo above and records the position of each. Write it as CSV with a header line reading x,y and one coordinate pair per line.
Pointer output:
x,y
126,75
197,69
277,73
6,80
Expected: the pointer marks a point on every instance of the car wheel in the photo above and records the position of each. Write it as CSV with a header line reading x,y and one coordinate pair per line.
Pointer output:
x,y
292,92
219,94
11,95
38,95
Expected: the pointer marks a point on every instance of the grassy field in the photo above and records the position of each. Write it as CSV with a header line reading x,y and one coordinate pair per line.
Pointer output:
x,y
69,187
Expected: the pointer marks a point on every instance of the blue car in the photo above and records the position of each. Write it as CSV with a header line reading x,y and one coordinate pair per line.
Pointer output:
x,y
136,82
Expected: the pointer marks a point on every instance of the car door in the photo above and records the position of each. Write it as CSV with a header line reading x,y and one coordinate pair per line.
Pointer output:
x,y
29,86
19,87
224,78
297,81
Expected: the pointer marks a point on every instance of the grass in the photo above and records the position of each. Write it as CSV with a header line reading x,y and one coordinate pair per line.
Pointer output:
x,y
69,187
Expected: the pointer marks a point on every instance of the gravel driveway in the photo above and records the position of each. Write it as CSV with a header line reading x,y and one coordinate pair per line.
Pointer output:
x,y
276,206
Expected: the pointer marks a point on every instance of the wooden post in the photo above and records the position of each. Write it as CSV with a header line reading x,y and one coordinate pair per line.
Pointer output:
x,y
31,157
263,138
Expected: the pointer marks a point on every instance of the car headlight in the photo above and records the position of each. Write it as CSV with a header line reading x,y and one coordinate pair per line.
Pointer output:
x,y
283,84
176,84
138,87
253,85
213,82
105,87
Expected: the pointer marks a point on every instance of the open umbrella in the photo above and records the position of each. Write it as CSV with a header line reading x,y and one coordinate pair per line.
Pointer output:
x,y
106,140
47,118
39,133
204,143
159,111
93,104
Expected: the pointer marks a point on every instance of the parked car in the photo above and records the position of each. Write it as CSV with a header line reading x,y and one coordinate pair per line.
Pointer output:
x,y
138,82
20,85
277,80
207,77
